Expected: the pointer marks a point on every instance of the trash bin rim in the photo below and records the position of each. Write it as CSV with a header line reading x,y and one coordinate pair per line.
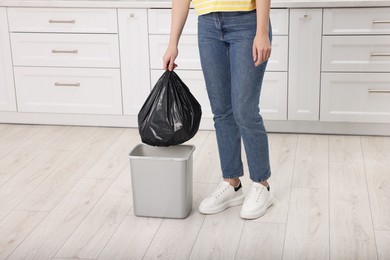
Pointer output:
x,y
162,158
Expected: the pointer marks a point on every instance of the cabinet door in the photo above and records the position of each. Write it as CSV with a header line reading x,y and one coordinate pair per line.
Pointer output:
x,y
133,42
304,64
7,90
273,98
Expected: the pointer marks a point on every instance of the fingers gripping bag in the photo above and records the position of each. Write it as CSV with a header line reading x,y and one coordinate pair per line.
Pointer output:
x,y
171,114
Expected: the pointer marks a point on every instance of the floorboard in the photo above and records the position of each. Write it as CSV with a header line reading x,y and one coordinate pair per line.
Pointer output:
x,y
65,193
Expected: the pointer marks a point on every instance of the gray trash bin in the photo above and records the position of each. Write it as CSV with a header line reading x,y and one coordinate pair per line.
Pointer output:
x,y
161,180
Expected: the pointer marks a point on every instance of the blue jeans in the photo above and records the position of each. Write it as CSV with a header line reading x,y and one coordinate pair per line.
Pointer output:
x,y
233,85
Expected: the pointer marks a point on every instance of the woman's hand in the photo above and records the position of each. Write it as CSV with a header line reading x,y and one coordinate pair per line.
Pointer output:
x,y
169,58
261,49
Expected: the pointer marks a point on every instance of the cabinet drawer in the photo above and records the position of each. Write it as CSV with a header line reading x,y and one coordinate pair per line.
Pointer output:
x,y
62,20
159,21
195,82
357,21
68,90
356,53
279,54
354,97
189,54
68,50
279,21
188,51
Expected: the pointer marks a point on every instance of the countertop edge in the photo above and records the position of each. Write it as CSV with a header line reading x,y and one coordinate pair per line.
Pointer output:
x,y
167,4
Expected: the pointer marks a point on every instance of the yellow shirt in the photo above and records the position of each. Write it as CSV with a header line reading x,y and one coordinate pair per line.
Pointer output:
x,y
209,6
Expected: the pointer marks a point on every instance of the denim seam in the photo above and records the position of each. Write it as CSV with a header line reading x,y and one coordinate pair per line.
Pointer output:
x,y
234,176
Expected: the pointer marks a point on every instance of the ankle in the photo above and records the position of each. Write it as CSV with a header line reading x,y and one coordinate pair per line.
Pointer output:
x,y
233,182
264,183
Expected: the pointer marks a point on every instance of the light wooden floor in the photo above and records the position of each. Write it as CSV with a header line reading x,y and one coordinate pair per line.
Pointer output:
x,y
65,193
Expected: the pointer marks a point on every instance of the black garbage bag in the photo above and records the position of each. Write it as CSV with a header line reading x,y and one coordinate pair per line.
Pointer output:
x,y
171,114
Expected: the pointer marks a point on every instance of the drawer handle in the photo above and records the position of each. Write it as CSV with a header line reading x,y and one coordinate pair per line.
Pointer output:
x,y
380,54
381,21
57,84
62,21
379,91
64,51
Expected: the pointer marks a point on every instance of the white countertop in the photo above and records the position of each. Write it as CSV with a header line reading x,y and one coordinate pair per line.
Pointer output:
x,y
167,3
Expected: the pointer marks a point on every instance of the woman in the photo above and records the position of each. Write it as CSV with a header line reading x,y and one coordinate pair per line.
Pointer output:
x,y
234,38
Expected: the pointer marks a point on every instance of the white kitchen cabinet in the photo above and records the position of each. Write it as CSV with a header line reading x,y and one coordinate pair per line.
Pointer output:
x,y
356,53
279,55
273,98
356,65
63,20
65,50
133,39
68,90
66,60
347,21
355,97
160,22
7,91
95,64
279,21
188,57
304,64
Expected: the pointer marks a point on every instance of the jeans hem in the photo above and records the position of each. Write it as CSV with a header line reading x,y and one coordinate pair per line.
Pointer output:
x,y
262,179
233,177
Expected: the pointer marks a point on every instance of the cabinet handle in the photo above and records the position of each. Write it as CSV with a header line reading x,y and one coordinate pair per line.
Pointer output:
x,y
380,54
379,91
381,21
62,21
132,15
64,51
57,84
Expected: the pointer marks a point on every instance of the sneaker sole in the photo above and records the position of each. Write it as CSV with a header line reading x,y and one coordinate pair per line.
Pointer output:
x,y
231,203
256,214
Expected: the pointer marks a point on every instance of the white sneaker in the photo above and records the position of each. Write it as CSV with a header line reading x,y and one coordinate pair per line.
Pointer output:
x,y
223,197
258,200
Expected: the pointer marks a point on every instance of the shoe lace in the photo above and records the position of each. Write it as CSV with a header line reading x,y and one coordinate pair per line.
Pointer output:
x,y
255,193
219,191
